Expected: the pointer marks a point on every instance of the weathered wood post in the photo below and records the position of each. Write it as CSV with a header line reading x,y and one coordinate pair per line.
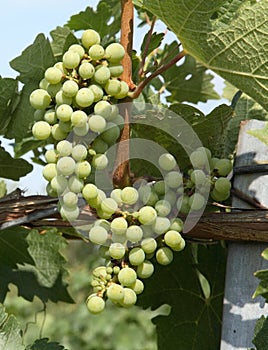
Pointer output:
x,y
240,311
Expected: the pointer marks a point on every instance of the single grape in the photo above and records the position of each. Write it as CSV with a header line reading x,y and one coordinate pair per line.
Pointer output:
x,y
174,240
64,112
90,191
199,159
97,92
81,130
57,133
138,286
119,225
70,88
145,270
159,187
164,256
149,245
102,75
223,185
79,118
129,299
114,52
99,145
100,161
84,97
161,225
82,169
96,52
96,123
86,70
149,198
136,256
78,49
66,166
223,167
111,133
95,304
134,233
65,127
53,75
59,184
41,130
98,235
171,196
183,204
112,87
116,69
124,89
61,99
167,162
117,250
70,199
90,37
162,207
198,177
51,156
116,195
79,152
53,89
49,171
129,195
115,292
176,224
69,214
173,179
147,215
196,201
64,148
40,99
50,116
43,84
70,59
75,184
219,196
109,205
127,276
103,108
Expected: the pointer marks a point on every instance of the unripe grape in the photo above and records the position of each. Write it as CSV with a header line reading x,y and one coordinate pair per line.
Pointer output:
x,y
64,148
223,166
66,166
86,70
100,161
99,145
59,183
103,108
129,195
199,159
50,116
70,59
147,215
129,299
124,89
117,250
116,195
149,245
57,133
70,88
70,199
65,127
198,177
177,225
219,196
115,292
81,131
116,69
134,233
223,185
162,207
51,156
114,52
119,225
102,75
161,225
96,123
84,97
43,84
83,169
69,214
75,184
79,118
159,187
174,240
112,87
53,89
79,152
64,112
60,98
53,75
90,37
173,179
109,205
183,204
39,114
95,304
40,99
41,130
98,235
97,92
127,276
78,49
138,286
167,162
164,256
111,133
49,171
136,256
96,52
145,270
196,201
90,191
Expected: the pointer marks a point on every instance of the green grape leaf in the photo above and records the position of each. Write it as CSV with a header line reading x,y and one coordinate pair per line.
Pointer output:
x,y
228,37
27,145
22,116
44,344
261,334
189,82
10,332
99,19
13,168
195,318
8,91
63,38
155,41
260,134
34,60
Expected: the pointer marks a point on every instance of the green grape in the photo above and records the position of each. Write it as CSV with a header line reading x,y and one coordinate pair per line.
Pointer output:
x,y
127,276
199,158
70,59
100,272
138,286
64,148
79,118
116,270
223,185
119,225
109,205
75,184
69,214
96,123
43,84
96,202
112,87
149,245
174,179
90,191
145,270
66,166
53,75
96,52
183,204
50,191
114,114
50,116
176,224
164,256
161,225
116,195
100,161
82,169
61,99
97,92
65,127
70,88
129,195
219,196
117,250
114,52
111,133
129,299
95,304
51,156
198,177
40,99
136,256
70,199
81,131
64,112
78,49
98,235
59,184
223,166
116,69
41,130
174,240
39,114
134,233
147,215
53,89
159,187
124,89
102,75
167,162
57,133
104,252
86,70
60,66
90,37
49,171
162,207
115,293
84,97
171,197
196,201
99,145
79,152
150,198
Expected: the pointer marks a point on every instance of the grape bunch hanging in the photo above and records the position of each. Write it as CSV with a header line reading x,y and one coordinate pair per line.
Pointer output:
x,y
76,111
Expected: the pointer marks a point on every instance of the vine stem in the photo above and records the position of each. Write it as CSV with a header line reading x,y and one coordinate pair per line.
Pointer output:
x,y
121,174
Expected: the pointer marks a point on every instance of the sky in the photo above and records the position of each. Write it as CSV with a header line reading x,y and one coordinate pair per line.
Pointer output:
x,y
20,23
